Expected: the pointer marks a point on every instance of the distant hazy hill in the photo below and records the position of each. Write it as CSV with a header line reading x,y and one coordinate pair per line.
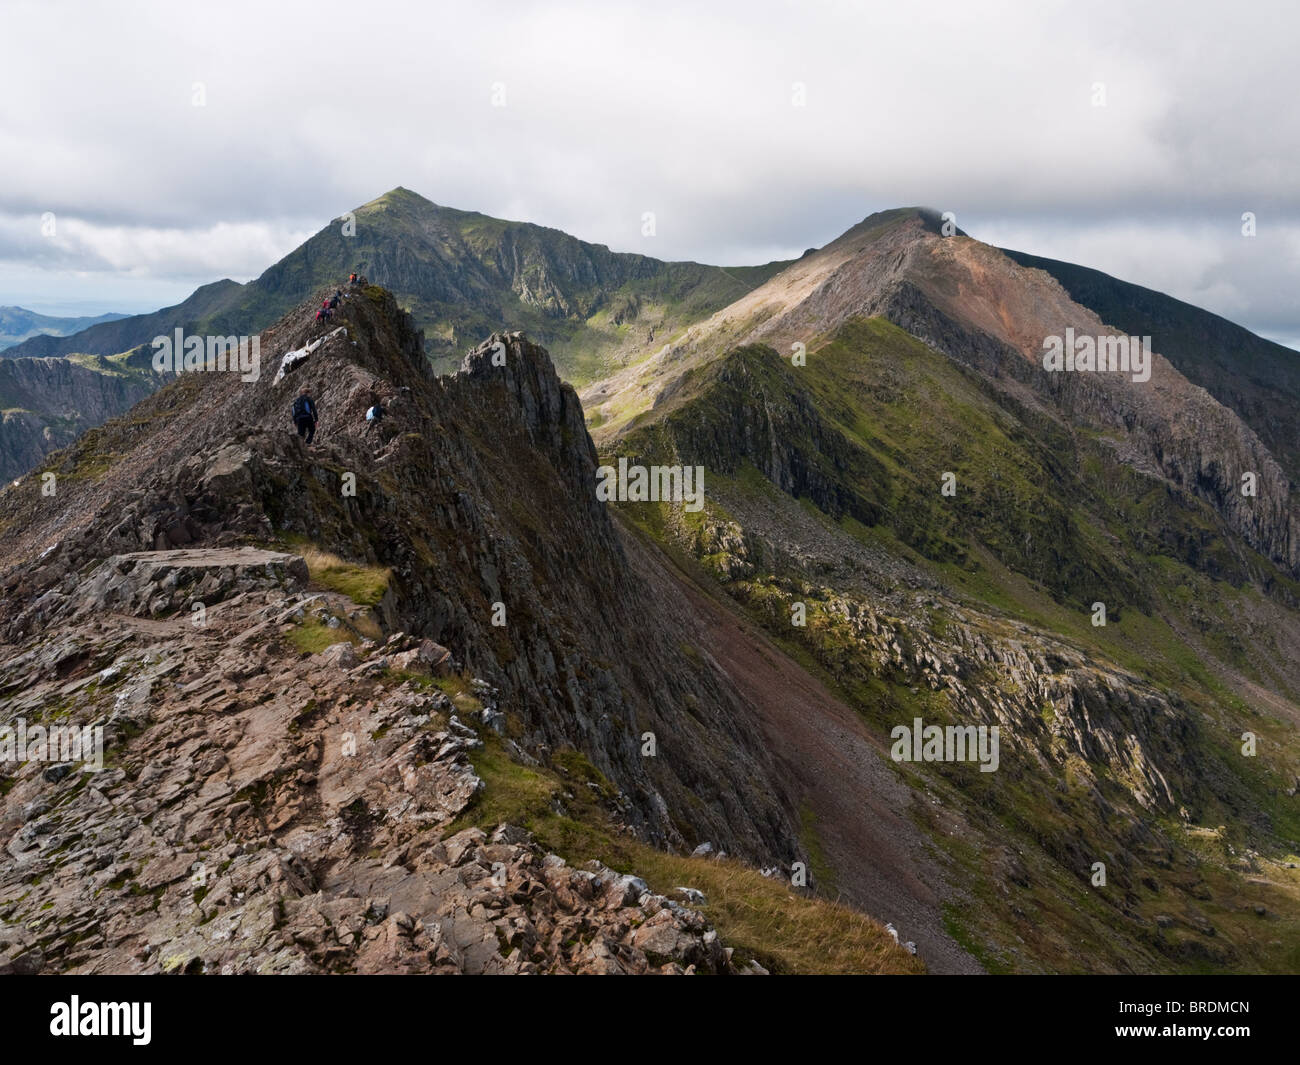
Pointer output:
x,y
18,323
205,309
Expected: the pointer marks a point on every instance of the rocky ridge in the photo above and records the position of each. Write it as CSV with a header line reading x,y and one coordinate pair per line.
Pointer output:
x,y
976,305
265,811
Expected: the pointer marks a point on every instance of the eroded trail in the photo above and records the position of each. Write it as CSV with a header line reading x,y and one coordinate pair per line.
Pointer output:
x,y
879,856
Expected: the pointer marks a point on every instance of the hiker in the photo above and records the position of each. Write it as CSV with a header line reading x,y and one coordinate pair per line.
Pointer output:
x,y
320,315
304,415
352,279
334,301
375,414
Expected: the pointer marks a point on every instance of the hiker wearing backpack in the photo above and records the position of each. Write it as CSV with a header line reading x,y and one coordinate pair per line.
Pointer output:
x,y
304,415
375,414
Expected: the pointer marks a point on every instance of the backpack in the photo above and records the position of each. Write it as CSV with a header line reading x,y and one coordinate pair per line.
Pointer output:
x,y
302,408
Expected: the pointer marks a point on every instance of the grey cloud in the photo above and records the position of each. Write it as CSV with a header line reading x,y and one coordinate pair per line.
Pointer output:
x,y
681,108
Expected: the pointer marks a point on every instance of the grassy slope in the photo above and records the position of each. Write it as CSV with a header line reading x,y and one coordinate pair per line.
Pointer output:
x,y
1044,524
787,930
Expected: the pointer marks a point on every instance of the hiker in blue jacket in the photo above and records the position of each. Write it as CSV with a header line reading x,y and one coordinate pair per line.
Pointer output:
x,y
304,415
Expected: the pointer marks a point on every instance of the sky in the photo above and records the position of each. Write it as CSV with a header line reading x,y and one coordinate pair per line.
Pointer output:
x,y
148,148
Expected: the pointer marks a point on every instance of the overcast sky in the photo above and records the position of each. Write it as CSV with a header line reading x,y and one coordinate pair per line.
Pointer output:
x,y
753,130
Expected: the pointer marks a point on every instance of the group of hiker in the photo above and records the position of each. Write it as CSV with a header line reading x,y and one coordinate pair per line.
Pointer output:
x,y
329,306
304,413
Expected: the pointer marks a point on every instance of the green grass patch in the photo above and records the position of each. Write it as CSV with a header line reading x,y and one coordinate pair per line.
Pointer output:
x,y
314,635
364,585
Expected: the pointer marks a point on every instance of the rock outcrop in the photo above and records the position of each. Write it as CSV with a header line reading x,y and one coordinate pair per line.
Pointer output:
x,y
262,811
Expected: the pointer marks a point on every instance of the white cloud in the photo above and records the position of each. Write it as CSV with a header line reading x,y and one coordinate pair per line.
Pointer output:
x,y
66,243
681,108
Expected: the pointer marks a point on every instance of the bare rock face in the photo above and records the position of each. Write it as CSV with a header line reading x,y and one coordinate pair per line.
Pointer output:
x,y
160,582
51,401
1167,427
262,811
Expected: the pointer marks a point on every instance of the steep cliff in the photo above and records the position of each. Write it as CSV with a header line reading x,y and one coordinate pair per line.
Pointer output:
x,y
48,403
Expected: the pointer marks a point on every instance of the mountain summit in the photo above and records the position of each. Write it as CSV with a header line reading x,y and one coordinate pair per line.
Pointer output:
x,y
462,275
980,307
